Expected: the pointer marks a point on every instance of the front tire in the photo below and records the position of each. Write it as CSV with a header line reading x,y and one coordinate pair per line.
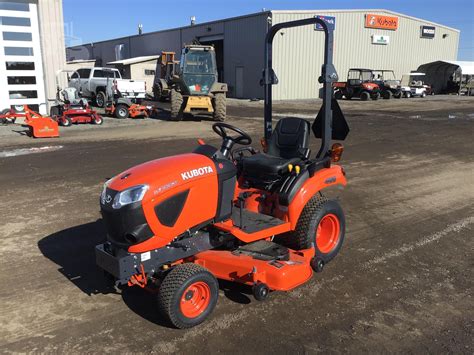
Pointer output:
x,y
220,110
65,121
188,295
322,224
98,120
176,105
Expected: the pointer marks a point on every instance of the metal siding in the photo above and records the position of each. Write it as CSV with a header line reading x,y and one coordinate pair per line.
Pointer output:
x,y
155,43
188,34
299,52
243,47
51,23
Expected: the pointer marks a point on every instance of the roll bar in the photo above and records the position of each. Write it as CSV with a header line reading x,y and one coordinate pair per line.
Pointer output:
x,y
328,76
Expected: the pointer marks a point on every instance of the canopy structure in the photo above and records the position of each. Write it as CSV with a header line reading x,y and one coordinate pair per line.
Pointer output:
x,y
444,76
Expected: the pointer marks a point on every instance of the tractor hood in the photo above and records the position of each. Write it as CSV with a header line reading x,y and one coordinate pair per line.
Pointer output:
x,y
163,174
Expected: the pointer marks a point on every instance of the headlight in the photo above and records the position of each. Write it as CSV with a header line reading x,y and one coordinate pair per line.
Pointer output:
x,y
104,191
130,195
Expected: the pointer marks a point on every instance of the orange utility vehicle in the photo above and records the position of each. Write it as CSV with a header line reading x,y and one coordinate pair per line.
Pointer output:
x,y
179,223
39,126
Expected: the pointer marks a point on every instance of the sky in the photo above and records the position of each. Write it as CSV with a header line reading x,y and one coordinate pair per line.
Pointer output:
x,y
95,20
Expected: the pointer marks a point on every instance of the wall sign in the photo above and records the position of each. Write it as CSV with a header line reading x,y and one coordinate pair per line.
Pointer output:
x,y
380,39
330,20
381,21
427,31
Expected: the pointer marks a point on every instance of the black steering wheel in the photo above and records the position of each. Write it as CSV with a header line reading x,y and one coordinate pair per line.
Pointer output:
x,y
220,129
228,141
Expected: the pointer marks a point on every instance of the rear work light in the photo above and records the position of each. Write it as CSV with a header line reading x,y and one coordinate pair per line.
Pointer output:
x,y
336,152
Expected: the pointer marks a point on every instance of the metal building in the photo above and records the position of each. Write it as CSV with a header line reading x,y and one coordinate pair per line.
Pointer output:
x,y
375,39
31,51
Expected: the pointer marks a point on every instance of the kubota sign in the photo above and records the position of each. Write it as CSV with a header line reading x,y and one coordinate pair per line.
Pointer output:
x,y
381,21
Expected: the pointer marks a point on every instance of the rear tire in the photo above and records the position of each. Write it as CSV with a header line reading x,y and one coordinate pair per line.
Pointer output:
x,y
338,95
322,224
387,95
121,111
187,295
376,96
220,109
176,105
100,99
364,96
5,120
398,95
54,111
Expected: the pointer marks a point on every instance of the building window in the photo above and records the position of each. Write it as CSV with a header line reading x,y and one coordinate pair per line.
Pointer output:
x,y
14,6
23,94
17,36
14,21
20,65
21,80
18,51
149,72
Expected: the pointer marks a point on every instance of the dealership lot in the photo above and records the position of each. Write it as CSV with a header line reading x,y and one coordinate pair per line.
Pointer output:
x,y
402,282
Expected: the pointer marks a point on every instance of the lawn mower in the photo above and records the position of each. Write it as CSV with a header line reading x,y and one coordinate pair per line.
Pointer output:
x,y
179,223
69,107
123,107
39,126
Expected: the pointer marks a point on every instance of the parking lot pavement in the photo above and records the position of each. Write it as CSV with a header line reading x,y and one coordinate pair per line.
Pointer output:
x,y
402,282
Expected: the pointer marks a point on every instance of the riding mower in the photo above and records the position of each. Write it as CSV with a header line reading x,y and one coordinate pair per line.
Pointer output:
x,y
69,107
177,224
123,107
39,126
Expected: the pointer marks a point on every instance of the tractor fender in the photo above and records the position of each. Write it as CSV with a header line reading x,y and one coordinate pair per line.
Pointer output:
x,y
322,179
219,87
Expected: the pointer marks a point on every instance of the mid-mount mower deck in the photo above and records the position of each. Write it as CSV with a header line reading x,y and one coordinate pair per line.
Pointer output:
x,y
180,223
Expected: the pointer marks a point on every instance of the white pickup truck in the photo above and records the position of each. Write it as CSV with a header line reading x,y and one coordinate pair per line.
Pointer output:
x,y
92,83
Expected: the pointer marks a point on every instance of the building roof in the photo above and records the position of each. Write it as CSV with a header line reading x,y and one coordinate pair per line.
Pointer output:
x,y
135,60
467,68
77,61
267,12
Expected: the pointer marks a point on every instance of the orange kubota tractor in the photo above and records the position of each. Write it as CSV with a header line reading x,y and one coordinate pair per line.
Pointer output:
x,y
179,223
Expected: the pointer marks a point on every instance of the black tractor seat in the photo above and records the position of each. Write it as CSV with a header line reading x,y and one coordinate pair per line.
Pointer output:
x,y
287,145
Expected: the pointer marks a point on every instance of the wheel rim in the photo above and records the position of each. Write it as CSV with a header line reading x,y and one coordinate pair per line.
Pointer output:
x,y
100,100
195,299
327,233
122,112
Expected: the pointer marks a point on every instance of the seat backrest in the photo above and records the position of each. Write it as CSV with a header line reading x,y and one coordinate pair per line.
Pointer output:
x,y
70,94
290,139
